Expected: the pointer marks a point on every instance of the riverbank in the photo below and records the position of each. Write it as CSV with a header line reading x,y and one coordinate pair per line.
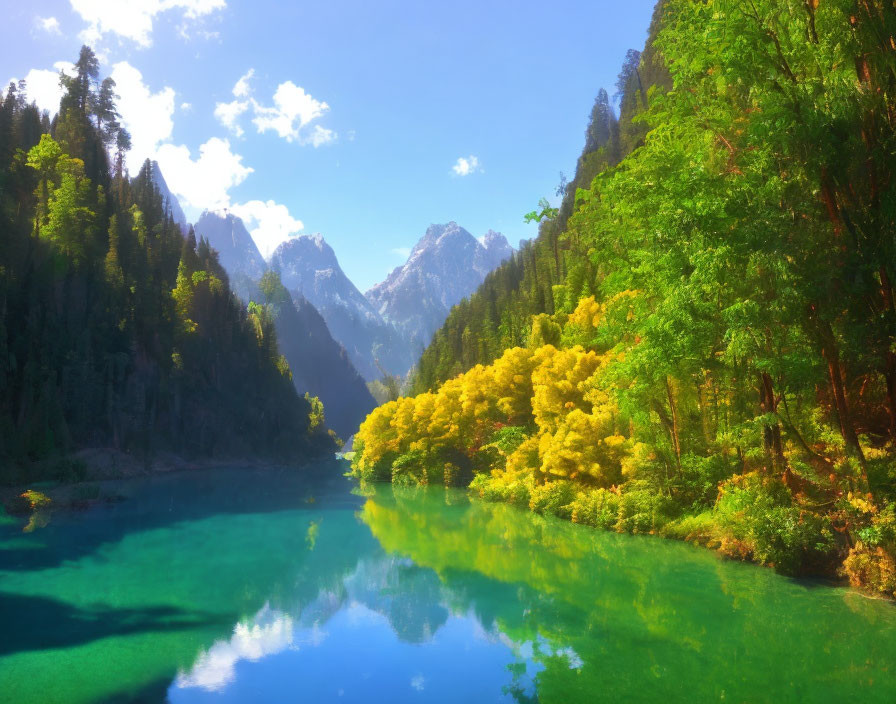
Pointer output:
x,y
94,475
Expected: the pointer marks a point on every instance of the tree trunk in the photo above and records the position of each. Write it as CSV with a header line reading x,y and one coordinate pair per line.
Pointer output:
x,y
768,404
838,387
886,291
676,443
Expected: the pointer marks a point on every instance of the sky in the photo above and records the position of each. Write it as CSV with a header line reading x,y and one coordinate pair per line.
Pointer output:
x,y
363,121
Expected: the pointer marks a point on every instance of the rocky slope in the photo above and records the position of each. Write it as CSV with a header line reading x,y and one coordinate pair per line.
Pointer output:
x,y
318,362
445,266
237,250
168,198
308,268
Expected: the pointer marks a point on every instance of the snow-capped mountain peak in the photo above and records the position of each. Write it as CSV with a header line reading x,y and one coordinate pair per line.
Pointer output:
x,y
446,265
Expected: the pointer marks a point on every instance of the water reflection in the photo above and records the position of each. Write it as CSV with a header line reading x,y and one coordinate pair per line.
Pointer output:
x,y
232,587
640,619
385,632
268,632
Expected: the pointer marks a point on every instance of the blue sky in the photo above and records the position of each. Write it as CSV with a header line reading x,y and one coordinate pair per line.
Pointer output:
x,y
364,121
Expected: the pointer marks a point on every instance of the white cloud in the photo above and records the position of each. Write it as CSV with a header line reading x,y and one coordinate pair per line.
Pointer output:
x,y
403,252
241,88
465,166
267,633
269,223
228,114
418,682
48,24
133,19
186,107
290,116
292,112
320,135
147,116
201,181
204,182
42,85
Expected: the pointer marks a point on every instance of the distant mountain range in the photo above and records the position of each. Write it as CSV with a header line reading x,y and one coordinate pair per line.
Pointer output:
x,y
382,331
445,266
308,267
318,363
237,251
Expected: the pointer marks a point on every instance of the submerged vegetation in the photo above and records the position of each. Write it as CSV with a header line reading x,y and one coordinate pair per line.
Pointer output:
x,y
702,341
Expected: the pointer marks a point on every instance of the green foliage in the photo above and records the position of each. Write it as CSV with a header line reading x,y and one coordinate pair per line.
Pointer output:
x,y
758,513
643,510
554,498
316,414
116,329
544,332
546,212
793,541
508,438
701,342
598,508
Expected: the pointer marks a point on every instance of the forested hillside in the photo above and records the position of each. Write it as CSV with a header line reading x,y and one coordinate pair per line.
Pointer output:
x,y
116,329
320,366
702,343
497,316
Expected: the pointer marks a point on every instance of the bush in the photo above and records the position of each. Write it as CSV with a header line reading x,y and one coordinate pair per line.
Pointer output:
x,y
700,529
554,498
508,438
871,564
642,509
378,471
598,508
501,488
791,540
758,517
698,485
408,469
872,569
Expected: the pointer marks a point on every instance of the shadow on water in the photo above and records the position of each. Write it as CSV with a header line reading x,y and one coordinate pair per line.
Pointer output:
x,y
39,623
159,501
154,692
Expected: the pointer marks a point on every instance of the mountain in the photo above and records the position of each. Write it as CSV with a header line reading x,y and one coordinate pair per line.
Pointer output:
x,y
309,269
177,213
120,336
445,266
319,364
236,249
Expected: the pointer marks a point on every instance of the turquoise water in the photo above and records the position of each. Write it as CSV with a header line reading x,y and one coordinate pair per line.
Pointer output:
x,y
284,586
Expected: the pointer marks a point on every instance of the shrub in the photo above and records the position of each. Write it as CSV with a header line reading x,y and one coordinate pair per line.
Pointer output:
x,y
791,540
757,515
508,438
554,498
502,488
698,485
872,569
700,529
377,471
642,509
871,564
598,508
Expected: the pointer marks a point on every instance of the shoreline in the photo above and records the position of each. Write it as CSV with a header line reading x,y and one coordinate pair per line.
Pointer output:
x,y
106,468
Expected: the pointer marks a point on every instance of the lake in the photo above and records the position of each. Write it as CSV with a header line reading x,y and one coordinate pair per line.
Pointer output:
x,y
277,585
